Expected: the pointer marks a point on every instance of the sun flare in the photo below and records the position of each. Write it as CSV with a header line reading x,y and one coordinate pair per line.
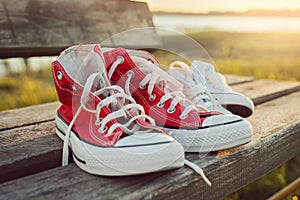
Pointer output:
x,y
217,5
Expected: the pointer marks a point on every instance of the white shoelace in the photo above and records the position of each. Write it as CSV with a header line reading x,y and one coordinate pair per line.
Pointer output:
x,y
154,76
197,169
214,79
116,93
197,92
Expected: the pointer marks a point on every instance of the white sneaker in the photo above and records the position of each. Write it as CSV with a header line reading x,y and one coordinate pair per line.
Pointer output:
x,y
205,87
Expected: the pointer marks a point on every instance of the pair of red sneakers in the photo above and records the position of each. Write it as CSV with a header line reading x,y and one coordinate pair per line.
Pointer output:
x,y
117,116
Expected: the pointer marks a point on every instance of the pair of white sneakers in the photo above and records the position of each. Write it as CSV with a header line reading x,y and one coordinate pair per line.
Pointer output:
x,y
119,115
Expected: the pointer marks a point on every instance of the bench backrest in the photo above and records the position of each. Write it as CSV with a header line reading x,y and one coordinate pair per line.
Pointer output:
x,y
45,27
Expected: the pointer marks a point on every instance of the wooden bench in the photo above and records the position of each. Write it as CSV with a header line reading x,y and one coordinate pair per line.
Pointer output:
x,y
30,152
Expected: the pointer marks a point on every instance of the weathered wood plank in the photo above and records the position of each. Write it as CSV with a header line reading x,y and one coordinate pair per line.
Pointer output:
x,y
26,133
228,172
41,27
243,166
27,150
27,116
270,89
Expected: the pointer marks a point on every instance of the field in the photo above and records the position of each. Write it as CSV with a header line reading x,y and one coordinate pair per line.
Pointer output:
x,y
262,55
22,89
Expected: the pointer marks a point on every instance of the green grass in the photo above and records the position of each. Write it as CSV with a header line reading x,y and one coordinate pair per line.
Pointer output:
x,y
262,55
19,89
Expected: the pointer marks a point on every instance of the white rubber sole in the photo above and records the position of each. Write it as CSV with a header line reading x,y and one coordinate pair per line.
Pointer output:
x,y
213,138
122,161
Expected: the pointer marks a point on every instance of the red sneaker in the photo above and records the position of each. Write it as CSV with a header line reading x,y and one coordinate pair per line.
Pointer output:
x,y
139,74
96,120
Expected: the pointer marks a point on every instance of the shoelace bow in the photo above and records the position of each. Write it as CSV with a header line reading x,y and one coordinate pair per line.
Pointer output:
x,y
197,91
215,79
116,93
154,76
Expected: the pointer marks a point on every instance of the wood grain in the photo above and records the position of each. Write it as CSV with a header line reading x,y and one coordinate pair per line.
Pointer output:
x,y
27,116
263,90
27,150
42,27
228,172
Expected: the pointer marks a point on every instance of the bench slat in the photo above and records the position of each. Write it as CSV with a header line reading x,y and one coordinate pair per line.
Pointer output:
x,y
67,182
229,172
28,150
259,91
270,89
19,117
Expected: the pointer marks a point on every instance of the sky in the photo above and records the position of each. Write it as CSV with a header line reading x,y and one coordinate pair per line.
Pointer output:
x,y
221,5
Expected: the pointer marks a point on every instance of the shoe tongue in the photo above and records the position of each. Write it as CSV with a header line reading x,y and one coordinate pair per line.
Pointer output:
x,y
183,76
194,81
145,65
145,55
82,61
198,69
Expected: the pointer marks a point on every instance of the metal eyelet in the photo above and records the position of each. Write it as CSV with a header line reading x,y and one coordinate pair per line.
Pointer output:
x,y
130,73
98,122
121,58
59,75
102,131
160,105
150,60
142,87
171,111
183,116
73,87
152,97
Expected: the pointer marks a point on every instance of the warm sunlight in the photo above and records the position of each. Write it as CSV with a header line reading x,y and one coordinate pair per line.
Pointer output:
x,y
227,5
150,99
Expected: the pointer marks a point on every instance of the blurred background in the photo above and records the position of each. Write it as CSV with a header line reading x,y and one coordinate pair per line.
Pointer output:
x,y
259,38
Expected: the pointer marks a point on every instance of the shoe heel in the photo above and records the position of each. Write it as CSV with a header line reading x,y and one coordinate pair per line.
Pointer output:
x,y
61,127
60,134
